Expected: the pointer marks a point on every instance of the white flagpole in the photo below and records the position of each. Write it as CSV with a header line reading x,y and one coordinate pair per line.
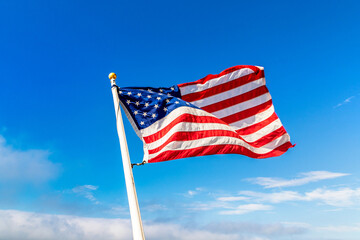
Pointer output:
x,y
138,232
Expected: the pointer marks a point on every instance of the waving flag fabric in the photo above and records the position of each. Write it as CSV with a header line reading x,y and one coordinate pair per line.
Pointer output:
x,y
231,112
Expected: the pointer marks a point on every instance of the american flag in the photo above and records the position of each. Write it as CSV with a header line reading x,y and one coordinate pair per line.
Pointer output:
x,y
231,112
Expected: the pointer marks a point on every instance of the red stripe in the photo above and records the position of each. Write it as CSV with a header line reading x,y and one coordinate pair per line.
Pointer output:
x,y
269,137
248,112
236,116
236,100
223,87
182,118
218,149
253,128
188,136
226,71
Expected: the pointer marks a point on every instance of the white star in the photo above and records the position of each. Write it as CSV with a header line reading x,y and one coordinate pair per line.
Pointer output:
x,y
129,93
120,92
128,101
148,96
161,90
139,94
176,102
144,114
149,90
165,109
167,100
169,94
142,123
137,103
156,106
158,98
160,94
153,115
135,112
146,104
172,88
188,103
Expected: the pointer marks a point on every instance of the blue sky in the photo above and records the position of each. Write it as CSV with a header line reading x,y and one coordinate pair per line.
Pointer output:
x,y
60,164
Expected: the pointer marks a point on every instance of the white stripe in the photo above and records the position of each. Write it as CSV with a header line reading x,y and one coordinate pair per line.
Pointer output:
x,y
277,142
222,140
189,127
229,94
193,127
162,123
259,117
253,137
242,106
215,81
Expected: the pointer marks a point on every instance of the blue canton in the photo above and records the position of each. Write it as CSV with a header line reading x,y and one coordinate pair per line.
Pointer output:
x,y
148,105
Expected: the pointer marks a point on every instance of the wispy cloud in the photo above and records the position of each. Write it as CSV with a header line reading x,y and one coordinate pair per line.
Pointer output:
x,y
246,208
118,210
206,206
344,102
26,166
341,228
274,229
87,192
191,193
314,176
30,226
245,202
165,231
155,207
232,198
343,197
276,197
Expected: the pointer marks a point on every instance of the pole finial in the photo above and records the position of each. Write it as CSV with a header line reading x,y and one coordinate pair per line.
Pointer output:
x,y
112,76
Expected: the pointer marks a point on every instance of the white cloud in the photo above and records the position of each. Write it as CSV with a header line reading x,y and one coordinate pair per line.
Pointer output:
x,y
232,199
276,197
246,208
154,207
30,166
166,231
191,193
26,225
341,228
345,101
304,178
117,210
87,192
343,197
17,225
274,229
203,206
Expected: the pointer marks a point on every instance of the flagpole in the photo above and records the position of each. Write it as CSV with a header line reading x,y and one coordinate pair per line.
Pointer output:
x,y
137,228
